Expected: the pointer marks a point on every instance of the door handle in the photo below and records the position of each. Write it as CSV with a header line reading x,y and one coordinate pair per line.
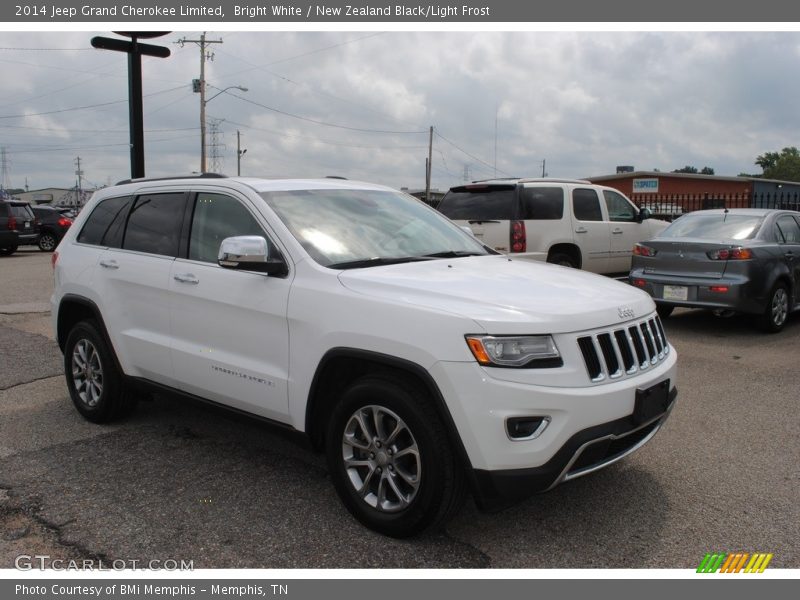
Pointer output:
x,y
109,264
616,231
581,230
186,278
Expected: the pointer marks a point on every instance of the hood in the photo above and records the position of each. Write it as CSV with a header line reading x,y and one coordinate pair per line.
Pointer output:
x,y
505,296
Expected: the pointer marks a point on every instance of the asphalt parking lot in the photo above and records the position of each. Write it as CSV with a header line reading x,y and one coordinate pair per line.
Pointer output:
x,y
180,480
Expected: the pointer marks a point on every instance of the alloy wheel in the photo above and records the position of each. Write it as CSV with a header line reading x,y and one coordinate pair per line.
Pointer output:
x,y
87,373
381,458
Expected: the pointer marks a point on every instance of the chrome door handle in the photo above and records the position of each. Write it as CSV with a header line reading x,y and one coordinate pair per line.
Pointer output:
x,y
109,264
186,278
616,231
581,230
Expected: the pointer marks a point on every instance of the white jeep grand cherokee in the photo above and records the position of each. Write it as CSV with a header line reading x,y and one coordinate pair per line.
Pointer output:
x,y
422,362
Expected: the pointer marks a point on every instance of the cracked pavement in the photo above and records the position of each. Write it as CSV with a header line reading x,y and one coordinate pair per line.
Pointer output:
x,y
185,481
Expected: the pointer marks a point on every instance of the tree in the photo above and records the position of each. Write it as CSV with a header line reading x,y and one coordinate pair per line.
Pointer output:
x,y
783,165
691,169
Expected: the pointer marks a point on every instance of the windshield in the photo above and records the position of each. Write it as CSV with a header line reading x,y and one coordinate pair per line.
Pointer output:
x,y
338,226
718,226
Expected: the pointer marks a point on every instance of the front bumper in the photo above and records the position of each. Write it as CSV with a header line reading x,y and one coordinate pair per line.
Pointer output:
x,y
585,452
588,426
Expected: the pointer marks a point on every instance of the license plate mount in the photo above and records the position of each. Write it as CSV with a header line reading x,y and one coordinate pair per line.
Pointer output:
x,y
651,402
675,292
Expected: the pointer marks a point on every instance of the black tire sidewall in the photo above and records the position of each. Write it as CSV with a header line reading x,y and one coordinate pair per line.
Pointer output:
x,y
560,258
104,410
424,507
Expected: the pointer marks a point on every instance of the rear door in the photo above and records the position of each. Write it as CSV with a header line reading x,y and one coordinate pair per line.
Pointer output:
x,y
487,209
133,279
591,230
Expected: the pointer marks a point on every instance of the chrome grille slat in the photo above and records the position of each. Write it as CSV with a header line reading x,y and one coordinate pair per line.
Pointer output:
x,y
624,351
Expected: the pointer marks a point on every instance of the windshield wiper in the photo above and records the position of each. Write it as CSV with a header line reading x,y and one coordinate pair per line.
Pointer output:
x,y
376,261
453,254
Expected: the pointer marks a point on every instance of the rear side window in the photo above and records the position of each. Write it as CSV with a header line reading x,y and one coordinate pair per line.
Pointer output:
x,y
22,212
106,224
586,205
480,204
154,224
542,203
789,229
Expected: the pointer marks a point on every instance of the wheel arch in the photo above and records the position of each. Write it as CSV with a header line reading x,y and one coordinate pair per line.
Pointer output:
x,y
73,309
569,248
341,366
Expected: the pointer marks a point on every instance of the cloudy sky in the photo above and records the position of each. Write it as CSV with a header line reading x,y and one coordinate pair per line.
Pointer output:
x,y
359,104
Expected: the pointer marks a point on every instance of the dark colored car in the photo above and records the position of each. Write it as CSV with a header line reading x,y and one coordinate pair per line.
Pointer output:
x,y
744,260
52,227
17,226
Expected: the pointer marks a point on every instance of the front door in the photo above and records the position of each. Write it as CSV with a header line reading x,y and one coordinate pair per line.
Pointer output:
x,y
590,230
230,333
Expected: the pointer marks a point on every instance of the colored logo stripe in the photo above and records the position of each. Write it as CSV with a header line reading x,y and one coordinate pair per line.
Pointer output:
x,y
733,563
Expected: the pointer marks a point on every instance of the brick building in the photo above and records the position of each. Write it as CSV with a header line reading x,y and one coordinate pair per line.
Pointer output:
x,y
672,194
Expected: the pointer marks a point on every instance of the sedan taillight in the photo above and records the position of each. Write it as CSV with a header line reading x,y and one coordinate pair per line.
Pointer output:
x,y
642,250
730,254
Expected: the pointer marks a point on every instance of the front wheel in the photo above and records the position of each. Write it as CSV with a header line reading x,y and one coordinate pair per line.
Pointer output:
x,y
664,310
95,385
390,459
776,311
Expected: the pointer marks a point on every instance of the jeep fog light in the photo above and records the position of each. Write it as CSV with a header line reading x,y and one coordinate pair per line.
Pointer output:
x,y
513,351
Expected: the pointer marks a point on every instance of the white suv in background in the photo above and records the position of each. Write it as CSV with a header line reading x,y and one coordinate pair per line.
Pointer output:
x,y
570,222
423,364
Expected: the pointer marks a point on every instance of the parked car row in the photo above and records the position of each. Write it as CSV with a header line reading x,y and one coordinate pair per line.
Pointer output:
x,y
22,224
725,260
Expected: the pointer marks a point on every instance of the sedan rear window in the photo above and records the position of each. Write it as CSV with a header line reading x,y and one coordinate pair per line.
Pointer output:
x,y
717,226
482,203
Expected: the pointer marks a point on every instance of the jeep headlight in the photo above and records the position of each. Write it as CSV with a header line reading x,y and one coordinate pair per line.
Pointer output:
x,y
515,351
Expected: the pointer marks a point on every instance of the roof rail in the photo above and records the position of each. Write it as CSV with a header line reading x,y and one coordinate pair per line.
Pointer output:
x,y
552,180
335,177
193,176
496,179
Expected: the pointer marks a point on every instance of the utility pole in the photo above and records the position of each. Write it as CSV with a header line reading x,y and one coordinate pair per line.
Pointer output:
x,y
544,162
239,152
202,43
428,164
79,173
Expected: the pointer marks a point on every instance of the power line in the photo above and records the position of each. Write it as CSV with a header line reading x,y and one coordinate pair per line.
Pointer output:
x,y
472,156
324,123
63,110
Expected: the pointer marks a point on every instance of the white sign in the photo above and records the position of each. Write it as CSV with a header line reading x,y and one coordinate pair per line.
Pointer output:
x,y
645,186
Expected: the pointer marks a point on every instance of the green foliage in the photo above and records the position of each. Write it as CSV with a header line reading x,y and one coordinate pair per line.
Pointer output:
x,y
784,165
691,169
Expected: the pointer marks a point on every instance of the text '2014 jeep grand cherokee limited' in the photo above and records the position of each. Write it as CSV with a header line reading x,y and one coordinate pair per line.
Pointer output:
x,y
423,363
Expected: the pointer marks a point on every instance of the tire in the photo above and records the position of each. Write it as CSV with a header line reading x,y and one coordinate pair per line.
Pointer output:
x,y
776,312
8,250
565,260
664,310
96,386
412,492
47,242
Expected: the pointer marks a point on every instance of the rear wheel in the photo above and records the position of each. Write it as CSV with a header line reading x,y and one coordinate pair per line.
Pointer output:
x,y
390,458
95,385
776,311
47,242
564,260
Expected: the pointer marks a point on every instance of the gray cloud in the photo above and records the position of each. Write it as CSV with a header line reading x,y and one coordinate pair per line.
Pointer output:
x,y
586,102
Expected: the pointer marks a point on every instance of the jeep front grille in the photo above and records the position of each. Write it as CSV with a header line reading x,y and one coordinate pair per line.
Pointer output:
x,y
625,351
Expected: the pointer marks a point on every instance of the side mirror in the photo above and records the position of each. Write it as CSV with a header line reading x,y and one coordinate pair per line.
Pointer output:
x,y
249,253
643,214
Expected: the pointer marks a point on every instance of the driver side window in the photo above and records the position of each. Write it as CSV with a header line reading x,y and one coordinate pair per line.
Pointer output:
x,y
215,218
619,209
